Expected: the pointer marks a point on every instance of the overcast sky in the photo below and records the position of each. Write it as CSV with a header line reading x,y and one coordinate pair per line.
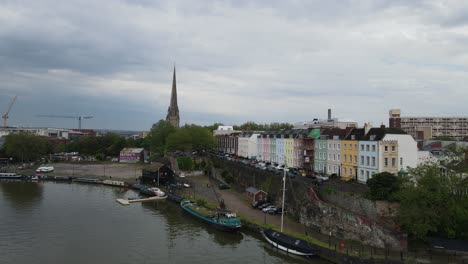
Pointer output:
x,y
237,61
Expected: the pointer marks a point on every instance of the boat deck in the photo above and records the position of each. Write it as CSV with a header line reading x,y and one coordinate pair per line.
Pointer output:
x,y
142,200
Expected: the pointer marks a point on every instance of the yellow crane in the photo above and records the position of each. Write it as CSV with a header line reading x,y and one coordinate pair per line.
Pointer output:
x,y
5,115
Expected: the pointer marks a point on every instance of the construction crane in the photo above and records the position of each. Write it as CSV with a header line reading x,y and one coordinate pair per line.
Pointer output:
x,y
65,116
5,115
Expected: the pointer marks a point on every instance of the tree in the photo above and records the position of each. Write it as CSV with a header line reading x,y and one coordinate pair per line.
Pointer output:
x,y
159,134
252,126
190,137
432,203
26,146
383,186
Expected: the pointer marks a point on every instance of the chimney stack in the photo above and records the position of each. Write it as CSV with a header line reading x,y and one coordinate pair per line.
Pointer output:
x,y
329,115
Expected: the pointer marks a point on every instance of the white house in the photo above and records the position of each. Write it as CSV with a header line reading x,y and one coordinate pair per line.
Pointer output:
x,y
248,145
407,150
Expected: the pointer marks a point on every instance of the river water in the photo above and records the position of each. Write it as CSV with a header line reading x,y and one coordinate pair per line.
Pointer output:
x,y
79,223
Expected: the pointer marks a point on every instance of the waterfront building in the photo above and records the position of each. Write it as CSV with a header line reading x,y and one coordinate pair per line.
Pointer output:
x,y
350,154
427,127
247,145
272,148
228,143
289,148
265,154
280,147
298,149
321,155
388,158
133,155
173,110
368,159
372,151
308,154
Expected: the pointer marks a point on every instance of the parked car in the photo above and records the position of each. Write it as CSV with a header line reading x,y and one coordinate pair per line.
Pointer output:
x,y
263,205
277,211
322,177
268,209
223,186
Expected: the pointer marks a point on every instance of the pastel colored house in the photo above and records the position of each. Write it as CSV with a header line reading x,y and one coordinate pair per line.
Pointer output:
x,y
350,153
388,158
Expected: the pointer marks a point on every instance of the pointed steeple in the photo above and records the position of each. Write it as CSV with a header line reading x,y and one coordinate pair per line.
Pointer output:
x,y
173,110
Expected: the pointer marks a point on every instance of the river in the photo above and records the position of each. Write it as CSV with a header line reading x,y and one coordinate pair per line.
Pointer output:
x,y
78,223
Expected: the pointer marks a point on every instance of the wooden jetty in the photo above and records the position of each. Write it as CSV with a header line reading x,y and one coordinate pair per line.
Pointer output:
x,y
142,200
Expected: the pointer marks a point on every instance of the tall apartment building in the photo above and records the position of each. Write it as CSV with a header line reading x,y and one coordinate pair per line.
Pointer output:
x,y
425,127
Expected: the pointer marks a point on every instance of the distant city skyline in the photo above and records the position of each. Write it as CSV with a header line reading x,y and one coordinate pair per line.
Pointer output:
x,y
237,61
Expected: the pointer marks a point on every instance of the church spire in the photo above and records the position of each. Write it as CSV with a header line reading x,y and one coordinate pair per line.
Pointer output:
x,y
173,110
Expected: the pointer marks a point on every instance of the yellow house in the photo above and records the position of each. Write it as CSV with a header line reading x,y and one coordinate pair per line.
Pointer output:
x,y
289,150
350,154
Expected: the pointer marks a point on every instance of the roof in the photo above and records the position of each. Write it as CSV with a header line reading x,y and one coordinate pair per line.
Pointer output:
x,y
253,190
358,134
329,133
132,150
378,133
155,166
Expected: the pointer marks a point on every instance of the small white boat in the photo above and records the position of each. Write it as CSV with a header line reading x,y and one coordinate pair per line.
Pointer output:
x,y
114,183
45,169
152,191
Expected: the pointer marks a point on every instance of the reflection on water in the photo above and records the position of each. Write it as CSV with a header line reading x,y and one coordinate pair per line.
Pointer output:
x,y
78,223
223,238
21,194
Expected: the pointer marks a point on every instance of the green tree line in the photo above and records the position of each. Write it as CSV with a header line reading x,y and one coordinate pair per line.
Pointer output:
x,y
433,198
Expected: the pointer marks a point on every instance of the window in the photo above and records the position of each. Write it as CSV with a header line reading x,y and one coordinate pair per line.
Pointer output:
x,y
367,161
334,156
373,161
362,160
401,161
367,174
393,148
373,148
334,168
362,173
339,157
344,146
329,167
329,156
355,159
386,162
362,147
367,148
345,158
329,145
386,148
350,172
355,146
334,146
339,145
393,162
344,170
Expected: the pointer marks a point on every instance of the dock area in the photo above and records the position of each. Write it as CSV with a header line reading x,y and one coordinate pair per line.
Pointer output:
x,y
142,200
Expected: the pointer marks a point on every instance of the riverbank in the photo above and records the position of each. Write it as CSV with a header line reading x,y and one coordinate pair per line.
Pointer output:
x,y
204,187
106,170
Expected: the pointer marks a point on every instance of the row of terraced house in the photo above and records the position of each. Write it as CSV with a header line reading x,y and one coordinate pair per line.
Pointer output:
x,y
350,153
